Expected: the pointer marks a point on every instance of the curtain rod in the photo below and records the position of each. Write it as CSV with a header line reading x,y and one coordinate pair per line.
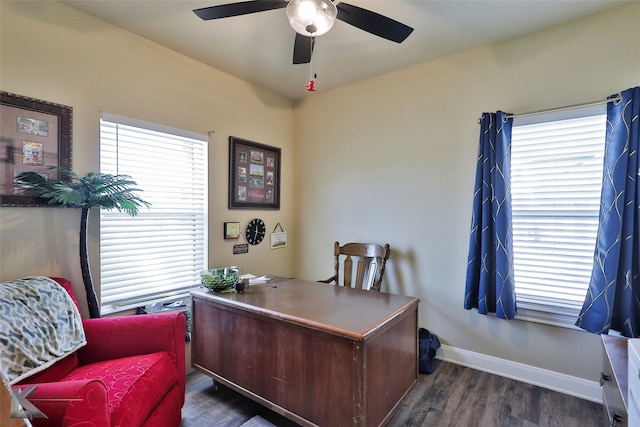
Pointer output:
x,y
616,98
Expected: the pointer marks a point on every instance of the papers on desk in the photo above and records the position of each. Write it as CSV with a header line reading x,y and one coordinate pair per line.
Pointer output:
x,y
254,280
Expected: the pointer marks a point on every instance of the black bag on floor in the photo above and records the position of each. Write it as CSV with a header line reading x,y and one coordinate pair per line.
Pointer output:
x,y
428,344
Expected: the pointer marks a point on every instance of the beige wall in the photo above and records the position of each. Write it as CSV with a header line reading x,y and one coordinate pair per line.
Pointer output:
x,y
52,52
392,159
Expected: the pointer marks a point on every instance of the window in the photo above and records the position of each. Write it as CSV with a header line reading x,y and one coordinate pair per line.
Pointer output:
x,y
159,253
556,181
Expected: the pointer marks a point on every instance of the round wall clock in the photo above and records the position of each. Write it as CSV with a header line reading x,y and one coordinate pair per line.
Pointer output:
x,y
256,230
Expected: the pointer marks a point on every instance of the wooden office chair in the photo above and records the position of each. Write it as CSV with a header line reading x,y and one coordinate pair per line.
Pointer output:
x,y
371,260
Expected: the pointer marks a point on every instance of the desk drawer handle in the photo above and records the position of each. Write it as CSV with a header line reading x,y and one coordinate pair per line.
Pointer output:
x,y
604,377
614,418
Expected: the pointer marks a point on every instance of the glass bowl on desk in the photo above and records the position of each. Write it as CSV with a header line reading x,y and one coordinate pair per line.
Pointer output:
x,y
219,279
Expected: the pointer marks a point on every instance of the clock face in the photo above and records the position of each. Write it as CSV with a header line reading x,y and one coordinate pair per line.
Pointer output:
x,y
256,230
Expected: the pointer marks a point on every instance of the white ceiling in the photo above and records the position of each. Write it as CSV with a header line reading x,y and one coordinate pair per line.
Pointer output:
x,y
259,47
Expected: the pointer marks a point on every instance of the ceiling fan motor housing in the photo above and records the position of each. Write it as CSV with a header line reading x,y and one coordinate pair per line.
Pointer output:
x,y
311,17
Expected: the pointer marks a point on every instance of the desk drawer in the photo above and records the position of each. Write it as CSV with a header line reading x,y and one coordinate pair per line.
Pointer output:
x,y
634,382
612,399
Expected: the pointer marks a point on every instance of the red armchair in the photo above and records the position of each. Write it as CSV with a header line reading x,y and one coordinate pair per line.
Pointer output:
x,y
130,373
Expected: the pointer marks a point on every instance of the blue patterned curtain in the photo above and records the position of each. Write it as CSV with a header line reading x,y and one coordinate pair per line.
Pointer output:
x,y
490,287
613,298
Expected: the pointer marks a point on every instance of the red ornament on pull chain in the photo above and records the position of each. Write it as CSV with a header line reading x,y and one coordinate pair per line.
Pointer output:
x,y
311,86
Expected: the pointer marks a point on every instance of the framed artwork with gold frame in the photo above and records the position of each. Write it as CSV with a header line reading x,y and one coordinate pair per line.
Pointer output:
x,y
35,135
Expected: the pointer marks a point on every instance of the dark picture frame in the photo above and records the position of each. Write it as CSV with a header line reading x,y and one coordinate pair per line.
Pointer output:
x,y
254,175
35,134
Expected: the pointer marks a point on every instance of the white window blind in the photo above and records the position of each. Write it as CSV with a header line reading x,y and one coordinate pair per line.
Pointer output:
x,y
160,252
556,181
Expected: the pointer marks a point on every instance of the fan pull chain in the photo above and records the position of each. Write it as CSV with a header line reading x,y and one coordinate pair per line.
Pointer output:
x,y
311,86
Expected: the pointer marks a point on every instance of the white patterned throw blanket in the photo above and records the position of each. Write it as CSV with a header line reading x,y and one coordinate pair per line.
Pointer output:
x,y
39,325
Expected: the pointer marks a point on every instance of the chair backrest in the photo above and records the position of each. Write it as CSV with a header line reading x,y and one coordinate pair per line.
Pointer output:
x,y
370,263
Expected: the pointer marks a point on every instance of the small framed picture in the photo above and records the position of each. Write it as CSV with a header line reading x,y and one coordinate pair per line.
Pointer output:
x,y
231,230
32,153
278,240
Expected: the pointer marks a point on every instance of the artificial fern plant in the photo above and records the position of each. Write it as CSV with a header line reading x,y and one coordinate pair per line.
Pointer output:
x,y
96,190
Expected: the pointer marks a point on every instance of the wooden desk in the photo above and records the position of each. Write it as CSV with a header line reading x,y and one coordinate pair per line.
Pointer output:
x,y
316,353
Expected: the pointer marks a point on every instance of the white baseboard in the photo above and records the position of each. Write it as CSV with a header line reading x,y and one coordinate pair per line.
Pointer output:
x,y
574,386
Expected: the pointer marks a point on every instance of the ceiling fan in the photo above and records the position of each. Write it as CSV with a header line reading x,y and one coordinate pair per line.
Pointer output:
x,y
312,18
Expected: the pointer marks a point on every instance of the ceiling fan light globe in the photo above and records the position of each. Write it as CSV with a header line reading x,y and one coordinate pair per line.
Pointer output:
x,y
307,15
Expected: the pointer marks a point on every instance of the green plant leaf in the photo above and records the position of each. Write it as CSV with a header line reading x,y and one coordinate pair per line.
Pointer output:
x,y
104,191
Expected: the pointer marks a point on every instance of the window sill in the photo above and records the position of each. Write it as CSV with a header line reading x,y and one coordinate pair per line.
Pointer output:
x,y
124,309
563,318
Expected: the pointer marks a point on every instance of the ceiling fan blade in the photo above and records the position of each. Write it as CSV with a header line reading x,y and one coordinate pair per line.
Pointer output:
x,y
303,49
373,23
241,8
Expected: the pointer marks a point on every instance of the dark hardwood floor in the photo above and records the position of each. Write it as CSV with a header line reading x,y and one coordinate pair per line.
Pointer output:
x,y
453,396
